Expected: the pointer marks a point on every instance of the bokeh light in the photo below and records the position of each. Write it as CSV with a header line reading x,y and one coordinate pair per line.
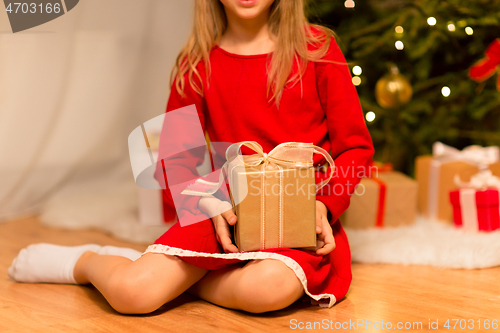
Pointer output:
x,y
370,116
356,70
349,4
446,91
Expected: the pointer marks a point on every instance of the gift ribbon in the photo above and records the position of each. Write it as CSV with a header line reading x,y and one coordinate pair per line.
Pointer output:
x,y
289,154
474,154
379,222
467,196
381,202
480,181
441,153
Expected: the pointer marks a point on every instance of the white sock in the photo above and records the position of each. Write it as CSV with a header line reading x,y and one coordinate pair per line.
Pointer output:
x,y
55,263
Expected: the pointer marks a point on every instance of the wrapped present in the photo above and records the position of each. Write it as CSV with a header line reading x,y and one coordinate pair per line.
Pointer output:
x,y
476,204
435,175
287,196
384,199
274,195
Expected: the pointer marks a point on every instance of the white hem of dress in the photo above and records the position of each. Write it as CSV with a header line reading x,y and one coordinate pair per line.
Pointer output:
x,y
292,264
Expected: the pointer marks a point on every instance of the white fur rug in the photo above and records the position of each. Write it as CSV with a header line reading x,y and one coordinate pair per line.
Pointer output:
x,y
425,243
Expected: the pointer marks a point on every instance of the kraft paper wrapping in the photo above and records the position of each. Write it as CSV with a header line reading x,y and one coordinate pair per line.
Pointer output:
x,y
293,198
285,206
438,206
400,204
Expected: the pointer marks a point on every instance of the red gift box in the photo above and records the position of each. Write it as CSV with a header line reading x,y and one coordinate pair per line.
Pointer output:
x,y
476,210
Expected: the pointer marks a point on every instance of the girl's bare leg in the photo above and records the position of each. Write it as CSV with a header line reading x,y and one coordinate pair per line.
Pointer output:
x,y
140,286
258,286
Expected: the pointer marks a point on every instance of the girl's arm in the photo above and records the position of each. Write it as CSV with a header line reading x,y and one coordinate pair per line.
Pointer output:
x,y
181,167
351,144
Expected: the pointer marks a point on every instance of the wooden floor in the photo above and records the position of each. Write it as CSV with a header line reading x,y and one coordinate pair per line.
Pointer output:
x,y
389,293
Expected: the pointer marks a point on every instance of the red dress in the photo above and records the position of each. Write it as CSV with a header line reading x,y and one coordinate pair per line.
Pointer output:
x,y
235,108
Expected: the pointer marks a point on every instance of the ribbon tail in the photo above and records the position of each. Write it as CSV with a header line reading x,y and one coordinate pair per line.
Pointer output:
x,y
202,187
205,188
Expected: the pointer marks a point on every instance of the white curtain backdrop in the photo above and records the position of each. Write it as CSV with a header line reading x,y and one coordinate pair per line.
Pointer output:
x,y
71,91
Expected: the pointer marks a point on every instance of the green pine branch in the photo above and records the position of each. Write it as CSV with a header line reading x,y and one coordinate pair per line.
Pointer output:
x,y
433,57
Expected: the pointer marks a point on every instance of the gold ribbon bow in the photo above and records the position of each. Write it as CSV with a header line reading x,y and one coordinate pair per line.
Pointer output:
x,y
288,154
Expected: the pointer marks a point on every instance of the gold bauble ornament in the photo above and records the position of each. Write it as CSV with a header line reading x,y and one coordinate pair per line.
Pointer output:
x,y
393,90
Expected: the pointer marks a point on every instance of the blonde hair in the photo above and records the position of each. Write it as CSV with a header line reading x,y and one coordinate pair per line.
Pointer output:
x,y
287,23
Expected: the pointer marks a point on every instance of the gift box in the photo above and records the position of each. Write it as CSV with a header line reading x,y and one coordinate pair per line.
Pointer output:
x,y
435,175
476,206
279,208
274,195
475,210
388,199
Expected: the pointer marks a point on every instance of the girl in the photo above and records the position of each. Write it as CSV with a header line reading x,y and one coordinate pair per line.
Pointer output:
x,y
255,70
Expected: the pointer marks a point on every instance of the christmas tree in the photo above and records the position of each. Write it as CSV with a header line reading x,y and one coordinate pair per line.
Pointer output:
x,y
433,43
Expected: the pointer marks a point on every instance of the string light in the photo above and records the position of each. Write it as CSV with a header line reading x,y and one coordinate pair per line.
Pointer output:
x,y
431,21
445,91
451,26
356,70
399,29
399,45
356,80
370,116
349,4
469,31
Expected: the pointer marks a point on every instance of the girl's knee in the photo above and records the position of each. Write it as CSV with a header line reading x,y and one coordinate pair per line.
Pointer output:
x,y
132,293
273,286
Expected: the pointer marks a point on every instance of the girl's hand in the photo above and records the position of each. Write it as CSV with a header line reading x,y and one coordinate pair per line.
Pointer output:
x,y
325,243
213,207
